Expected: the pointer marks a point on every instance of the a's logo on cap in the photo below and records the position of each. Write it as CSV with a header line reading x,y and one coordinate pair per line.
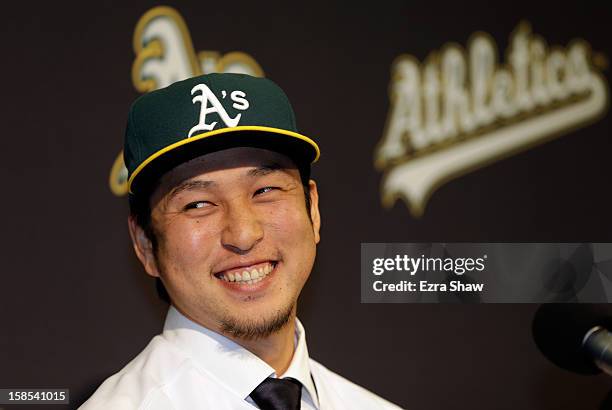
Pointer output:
x,y
206,95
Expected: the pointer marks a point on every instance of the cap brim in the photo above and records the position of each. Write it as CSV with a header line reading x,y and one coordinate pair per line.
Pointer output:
x,y
301,149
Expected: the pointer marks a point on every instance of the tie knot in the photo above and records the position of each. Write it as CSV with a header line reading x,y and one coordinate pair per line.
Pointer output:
x,y
278,394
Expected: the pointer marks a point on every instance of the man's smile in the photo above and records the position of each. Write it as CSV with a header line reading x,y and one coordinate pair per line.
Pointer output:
x,y
247,274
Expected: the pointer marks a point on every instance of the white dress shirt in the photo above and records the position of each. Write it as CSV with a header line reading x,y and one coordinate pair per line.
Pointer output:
x,y
191,367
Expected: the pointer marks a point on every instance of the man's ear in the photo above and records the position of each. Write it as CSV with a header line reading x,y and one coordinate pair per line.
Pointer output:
x,y
143,247
314,210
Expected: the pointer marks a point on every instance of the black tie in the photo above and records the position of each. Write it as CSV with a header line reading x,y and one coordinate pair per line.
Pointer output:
x,y
278,394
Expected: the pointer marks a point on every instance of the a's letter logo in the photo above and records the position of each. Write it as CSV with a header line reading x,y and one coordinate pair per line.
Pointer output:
x,y
206,96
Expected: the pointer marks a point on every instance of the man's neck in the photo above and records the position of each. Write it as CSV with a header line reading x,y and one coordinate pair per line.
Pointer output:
x,y
276,350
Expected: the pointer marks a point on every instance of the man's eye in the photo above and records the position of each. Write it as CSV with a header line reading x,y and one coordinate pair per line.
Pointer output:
x,y
264,190
197,205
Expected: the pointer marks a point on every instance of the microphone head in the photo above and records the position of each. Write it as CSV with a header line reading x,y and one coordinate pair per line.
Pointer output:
x,y
559,328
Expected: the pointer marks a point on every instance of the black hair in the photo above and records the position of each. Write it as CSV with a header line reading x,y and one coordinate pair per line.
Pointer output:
x,y
140,210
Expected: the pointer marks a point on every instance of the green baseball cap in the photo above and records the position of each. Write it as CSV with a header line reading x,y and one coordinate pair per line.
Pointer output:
x,y
209,113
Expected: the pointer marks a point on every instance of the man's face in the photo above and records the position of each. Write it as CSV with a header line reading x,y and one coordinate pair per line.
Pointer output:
x,y
224,216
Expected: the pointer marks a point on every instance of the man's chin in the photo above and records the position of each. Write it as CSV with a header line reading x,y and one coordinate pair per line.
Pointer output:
x,y
257,328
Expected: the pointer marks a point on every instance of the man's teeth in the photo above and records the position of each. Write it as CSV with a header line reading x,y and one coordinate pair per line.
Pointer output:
x,y
248,276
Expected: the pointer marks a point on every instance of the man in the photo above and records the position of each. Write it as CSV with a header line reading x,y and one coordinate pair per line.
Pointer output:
x,y
225,216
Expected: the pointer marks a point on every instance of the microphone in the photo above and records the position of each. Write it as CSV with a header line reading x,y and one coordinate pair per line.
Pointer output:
x,y
575,336
598,343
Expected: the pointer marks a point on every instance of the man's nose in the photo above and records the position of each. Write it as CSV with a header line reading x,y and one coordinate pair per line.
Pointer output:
x,y
242,230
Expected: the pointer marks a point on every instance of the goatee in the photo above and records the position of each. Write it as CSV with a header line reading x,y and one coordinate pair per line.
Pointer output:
x,y
251,330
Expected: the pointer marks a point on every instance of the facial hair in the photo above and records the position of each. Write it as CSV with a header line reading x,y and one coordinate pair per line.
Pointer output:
x,y
252,330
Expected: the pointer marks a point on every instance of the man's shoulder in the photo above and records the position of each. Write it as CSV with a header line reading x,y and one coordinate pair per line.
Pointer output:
x,y
342,390
142,380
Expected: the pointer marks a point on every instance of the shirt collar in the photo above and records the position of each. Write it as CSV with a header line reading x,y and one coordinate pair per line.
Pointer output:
x,y
220,357
299,368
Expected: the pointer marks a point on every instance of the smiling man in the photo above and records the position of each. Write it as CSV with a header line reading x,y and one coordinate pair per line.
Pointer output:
x,y
225,216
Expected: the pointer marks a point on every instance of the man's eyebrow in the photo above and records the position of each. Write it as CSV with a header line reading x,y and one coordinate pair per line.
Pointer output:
x,y
189,185
204,184
266,169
